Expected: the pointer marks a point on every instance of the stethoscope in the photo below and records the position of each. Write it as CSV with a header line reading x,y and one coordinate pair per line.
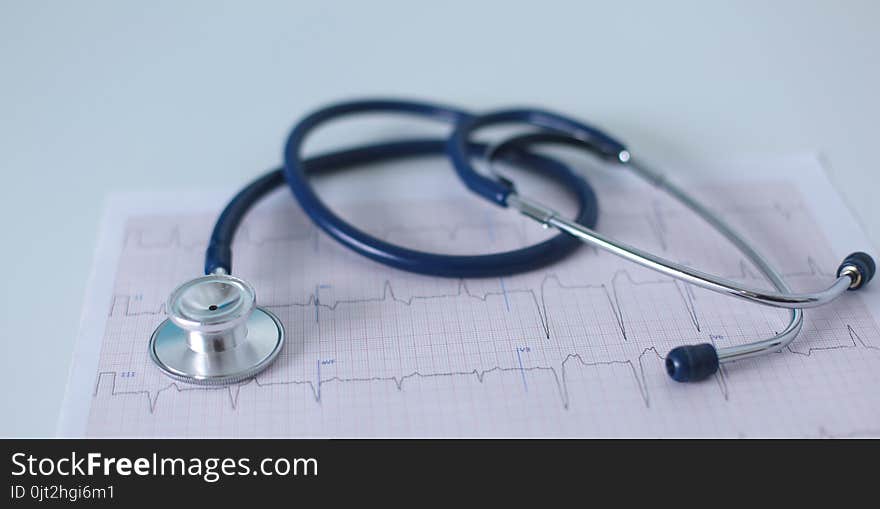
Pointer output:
x,y
216,334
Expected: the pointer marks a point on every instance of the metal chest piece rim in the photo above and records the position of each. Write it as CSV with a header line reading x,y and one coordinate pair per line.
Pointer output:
x,y
215,334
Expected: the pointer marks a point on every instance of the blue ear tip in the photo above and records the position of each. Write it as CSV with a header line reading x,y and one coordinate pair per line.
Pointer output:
x,y
692,363
863,263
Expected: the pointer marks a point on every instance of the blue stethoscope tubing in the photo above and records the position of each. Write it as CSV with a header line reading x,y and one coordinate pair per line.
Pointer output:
x,y
218,255
686,363
296,172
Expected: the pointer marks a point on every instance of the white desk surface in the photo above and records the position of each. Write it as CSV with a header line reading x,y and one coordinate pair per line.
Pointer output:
x,y
100,96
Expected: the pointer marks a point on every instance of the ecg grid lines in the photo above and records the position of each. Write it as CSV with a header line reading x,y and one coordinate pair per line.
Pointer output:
x,y
574,349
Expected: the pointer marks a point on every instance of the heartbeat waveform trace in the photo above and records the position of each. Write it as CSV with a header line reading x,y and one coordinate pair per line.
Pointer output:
x,y
658,224
539,300
853,336
310,233
655,218
559,376
575,348
537,297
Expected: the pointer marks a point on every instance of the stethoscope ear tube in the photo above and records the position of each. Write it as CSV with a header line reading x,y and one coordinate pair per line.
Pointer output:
x,y
860,267
687,363
496,190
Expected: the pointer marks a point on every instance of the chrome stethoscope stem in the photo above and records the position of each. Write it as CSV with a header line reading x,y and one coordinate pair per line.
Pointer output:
x,y
782,297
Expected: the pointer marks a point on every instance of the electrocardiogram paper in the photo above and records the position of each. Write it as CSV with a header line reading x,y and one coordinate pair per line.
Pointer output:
x,y
574,349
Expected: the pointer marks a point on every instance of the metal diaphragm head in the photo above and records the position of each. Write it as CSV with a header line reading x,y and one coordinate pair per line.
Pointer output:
x,y
215,334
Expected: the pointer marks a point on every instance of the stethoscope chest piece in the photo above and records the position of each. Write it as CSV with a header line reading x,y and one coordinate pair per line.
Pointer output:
x,y
215,333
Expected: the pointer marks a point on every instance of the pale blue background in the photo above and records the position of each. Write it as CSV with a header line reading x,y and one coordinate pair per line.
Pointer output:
x,y
97,96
